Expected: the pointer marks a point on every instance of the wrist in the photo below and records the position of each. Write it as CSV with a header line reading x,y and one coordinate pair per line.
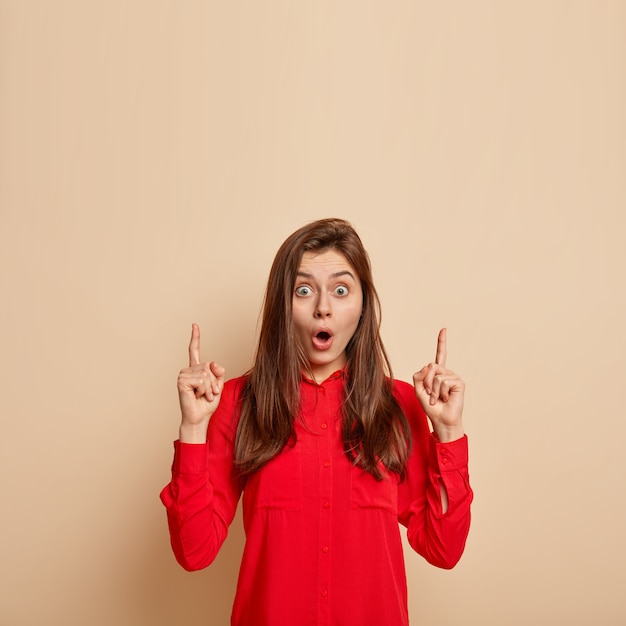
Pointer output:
x,y
192,433
445,433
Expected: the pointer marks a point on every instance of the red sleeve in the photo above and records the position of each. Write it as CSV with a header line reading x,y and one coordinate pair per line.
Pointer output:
x,y
202,497
439,537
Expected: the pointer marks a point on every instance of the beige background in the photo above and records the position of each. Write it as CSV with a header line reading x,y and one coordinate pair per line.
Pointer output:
x,y
153,155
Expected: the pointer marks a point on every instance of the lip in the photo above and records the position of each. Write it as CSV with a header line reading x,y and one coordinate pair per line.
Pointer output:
x,y
325,342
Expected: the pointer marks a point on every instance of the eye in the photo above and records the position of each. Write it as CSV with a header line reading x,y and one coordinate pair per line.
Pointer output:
x,y
341,290
303,291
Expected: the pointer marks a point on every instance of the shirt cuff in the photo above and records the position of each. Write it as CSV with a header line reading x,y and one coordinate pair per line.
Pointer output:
x,y
190,458
451,456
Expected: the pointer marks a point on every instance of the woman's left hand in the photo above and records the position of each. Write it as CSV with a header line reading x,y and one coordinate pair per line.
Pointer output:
x,y
441,392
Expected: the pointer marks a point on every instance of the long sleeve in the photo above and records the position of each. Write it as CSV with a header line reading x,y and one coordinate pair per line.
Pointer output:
x,y
439,537
310,510
202,497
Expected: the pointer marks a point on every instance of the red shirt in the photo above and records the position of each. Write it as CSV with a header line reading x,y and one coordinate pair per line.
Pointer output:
x,y
323,544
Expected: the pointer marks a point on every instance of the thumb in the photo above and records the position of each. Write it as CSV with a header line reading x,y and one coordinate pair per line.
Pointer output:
x,y
218,371
418,377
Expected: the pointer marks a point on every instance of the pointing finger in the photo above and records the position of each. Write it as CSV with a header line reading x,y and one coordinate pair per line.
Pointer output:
x,y
442,350
194,346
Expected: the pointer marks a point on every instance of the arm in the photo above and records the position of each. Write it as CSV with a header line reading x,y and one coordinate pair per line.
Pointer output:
x,y
434,499
437,495
202,496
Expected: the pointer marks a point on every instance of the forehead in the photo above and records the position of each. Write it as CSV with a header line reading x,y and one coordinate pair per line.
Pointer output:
x,y
328,261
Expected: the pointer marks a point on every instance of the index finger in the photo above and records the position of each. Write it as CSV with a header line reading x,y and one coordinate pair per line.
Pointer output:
x,y
442,349
194,346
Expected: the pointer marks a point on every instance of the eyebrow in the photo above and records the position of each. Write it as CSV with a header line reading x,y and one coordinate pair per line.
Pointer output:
x,y
335,275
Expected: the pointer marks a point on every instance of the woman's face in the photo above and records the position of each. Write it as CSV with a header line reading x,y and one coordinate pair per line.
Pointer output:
x,y
327,305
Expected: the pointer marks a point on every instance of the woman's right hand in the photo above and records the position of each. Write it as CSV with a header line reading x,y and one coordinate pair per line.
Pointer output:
x,y
199,389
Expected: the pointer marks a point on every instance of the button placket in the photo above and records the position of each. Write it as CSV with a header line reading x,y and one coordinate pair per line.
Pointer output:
x,y
325,495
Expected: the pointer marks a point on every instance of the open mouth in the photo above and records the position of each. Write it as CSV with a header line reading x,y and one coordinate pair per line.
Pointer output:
x,y
322,340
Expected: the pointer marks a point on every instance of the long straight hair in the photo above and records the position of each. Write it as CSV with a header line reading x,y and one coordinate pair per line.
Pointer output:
x,y
374,428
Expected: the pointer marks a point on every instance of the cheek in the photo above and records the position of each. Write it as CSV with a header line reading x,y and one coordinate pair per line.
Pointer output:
x,y
353,316
297,319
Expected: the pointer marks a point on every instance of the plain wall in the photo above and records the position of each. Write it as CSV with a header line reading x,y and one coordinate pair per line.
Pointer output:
x,y
153,156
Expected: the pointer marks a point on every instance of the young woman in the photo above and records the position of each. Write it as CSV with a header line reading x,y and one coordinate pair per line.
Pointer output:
x,y
328,450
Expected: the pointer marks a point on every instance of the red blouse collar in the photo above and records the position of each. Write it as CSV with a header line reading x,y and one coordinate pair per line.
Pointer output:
x,y
342,373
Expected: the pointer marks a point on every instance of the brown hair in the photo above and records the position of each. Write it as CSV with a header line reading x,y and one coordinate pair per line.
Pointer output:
x,y
374,428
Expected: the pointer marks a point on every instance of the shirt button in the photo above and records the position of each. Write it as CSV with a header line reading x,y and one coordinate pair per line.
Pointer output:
x,y
324,593
326,463
324,425
325,549
327,505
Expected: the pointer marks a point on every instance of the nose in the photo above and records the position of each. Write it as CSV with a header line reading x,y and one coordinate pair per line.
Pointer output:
x,y
322,306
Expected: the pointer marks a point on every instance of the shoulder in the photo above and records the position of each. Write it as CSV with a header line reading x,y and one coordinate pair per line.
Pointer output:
x,y
404,393
227,413
233,387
